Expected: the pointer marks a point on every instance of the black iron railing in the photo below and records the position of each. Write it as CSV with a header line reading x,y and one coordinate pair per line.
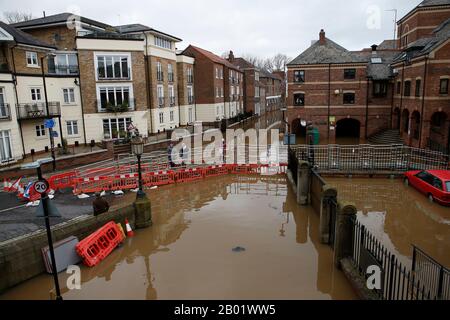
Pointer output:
x,y
397,282
190,99
116,106
63,69
38,110
5,111
161,102
436,146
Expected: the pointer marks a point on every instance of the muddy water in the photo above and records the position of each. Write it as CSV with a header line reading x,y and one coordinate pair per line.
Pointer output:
x,y
399,216
187,253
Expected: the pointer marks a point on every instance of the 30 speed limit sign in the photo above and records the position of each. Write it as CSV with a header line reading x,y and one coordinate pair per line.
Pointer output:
x,y
41,186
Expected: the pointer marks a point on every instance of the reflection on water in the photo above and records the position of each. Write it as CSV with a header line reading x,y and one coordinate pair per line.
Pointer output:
x,y
339,141
187,253
399,216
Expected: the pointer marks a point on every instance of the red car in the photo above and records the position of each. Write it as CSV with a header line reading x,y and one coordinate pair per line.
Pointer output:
x,y
434,183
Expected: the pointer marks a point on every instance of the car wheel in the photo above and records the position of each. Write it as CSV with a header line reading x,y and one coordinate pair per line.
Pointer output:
x,y
406,182
430,198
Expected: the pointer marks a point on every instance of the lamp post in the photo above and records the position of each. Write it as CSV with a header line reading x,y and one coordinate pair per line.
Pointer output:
x,y
50,130
41,186
137,147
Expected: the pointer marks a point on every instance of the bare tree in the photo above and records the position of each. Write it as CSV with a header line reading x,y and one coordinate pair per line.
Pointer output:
x,y
277,62
16,16
254,60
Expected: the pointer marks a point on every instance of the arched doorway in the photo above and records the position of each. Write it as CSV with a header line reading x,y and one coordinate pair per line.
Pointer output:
x,y
396,119
299,131
348,131
405,120
415,125
439,135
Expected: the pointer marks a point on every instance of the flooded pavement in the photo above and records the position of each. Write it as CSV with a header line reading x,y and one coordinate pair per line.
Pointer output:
x,y
399,216
231,237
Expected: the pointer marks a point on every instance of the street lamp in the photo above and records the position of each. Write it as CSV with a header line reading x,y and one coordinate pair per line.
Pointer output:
x,y
41,186
50,130
137,147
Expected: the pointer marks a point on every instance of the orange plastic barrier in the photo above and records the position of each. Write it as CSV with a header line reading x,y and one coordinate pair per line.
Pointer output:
x,y
99,245
244,168
158,178
187,175
90,185
61,181
214,171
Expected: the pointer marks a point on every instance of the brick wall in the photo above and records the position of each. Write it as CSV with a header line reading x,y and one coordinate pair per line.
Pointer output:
x,y
154,80
59,36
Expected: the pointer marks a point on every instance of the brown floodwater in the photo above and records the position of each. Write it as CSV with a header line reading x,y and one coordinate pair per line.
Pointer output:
x,y
187,253
399,216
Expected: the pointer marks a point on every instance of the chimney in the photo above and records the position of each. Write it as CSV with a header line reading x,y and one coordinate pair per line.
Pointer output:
x,y
374,49
322,40
231,56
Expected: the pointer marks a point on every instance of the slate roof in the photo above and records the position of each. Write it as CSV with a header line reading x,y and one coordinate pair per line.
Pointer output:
x,y
24,38
387,45
266,74
330,52
213,57
57,18
431,3
112,35
137,27
241,63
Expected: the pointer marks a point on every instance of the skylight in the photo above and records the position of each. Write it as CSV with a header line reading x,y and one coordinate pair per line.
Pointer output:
x,y
377,60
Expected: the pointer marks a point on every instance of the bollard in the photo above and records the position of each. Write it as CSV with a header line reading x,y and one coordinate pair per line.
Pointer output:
x,y
343,243
143,213
303,178
327,209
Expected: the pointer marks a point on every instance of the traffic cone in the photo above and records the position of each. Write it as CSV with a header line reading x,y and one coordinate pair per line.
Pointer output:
x,y
130,232
5,185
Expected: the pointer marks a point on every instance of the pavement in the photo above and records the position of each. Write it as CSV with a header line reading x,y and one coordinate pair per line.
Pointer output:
x,y
16,219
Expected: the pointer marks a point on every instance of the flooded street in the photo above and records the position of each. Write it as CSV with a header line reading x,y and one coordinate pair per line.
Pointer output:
x,y
399,216
188,252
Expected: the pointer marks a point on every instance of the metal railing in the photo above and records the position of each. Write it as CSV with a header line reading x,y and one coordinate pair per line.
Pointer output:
x,y
172,101
170,77
124,106
371,158
160,76
397,281
190,79
161,102
5,111
190,99
37,110
63,69
436,146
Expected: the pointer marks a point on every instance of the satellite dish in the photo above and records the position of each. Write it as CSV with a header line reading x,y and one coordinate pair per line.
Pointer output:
x,y
303,123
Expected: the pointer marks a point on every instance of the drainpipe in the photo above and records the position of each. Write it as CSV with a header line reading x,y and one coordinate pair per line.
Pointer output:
x,y
367,108
329,101
401,97
147,79
392,106
17,99
82,103
423,100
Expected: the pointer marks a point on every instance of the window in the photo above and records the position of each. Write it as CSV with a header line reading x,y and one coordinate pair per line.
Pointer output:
x,y
4,109
257,92
115,96
32,59
299,76
407,90
170,72
171,96
163,43
221,92
190,93
217,92
63,63
349,74
36,94
418,85
256,76
447,186
190,115
72,128
69,95
161,117
217,110
115,127
159,71
349,98
160,94
190,75
437,183
299,99
399,87
217,73
5,146
221,73
379,89
443,88
40,130
113,67
172,116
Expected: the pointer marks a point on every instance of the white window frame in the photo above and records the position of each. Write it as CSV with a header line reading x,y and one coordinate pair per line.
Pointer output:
x,y
115,85
3,135
36,94
70,96
33,56
118,119
221,92
161,118
163,43
172,116
114,54
72,124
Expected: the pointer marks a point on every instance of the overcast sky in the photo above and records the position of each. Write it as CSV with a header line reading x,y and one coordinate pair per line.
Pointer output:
x,y
262,28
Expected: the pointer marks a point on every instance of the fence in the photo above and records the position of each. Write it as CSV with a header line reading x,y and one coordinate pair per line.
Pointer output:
x,y
397,281
371,158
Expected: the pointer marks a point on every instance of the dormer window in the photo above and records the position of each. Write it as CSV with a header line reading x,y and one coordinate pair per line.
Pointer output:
x,y
163,43
32,59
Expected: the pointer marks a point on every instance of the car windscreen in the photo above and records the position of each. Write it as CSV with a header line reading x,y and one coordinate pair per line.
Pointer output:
x,y
447,186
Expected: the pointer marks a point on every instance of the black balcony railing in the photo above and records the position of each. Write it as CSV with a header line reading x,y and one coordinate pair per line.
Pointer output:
x,y
5,111
36,110
170,77
161,102
63,69
190,79
116,106
160,76
190,99
172,101
105,77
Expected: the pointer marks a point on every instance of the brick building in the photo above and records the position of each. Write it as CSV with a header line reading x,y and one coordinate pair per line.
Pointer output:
x,y
218,86
272,96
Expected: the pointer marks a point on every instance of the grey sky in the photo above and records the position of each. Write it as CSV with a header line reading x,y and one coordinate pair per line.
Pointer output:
x,y
261,28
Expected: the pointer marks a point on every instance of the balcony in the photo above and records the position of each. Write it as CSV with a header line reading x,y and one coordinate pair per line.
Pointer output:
x,y
160,76
5,111
190,79
172,101
190,99
161,102
63,69
116,107
37,110
170,77
118,76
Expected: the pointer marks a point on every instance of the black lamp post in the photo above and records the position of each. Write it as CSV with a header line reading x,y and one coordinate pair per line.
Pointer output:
x,y
137,147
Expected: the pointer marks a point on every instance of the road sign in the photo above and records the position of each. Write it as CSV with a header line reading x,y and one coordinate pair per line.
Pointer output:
x,y
55,134
41,186
49,123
